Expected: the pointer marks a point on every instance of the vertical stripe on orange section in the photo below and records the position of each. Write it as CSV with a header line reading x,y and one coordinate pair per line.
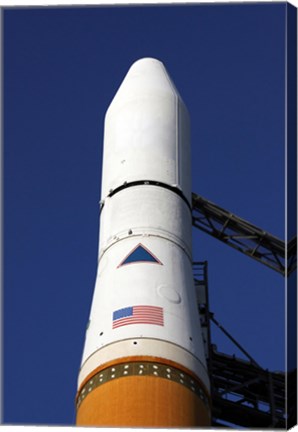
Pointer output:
x,y
142,401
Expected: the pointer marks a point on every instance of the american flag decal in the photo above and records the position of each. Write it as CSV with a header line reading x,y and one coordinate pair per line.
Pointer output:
x,y
138,315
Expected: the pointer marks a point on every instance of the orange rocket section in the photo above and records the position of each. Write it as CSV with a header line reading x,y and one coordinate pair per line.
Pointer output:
x,y
143,393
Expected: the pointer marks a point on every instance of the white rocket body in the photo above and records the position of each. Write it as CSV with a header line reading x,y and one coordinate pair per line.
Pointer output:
x,y
145,252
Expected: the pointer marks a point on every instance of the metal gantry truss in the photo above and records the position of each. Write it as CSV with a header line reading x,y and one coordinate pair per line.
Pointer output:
x,y
242,392
244,236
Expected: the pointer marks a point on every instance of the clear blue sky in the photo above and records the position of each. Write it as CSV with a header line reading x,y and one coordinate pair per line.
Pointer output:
x,y
62,67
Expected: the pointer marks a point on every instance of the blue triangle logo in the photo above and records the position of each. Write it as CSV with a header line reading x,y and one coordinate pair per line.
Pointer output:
x,y
140,254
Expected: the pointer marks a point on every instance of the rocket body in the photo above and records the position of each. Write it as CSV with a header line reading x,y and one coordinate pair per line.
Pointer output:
x,y
143,362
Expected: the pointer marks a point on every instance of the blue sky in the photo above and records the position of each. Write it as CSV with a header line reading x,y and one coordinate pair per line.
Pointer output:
x,y
62,67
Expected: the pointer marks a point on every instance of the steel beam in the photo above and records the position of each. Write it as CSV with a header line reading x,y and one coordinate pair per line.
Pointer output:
x,y
244,236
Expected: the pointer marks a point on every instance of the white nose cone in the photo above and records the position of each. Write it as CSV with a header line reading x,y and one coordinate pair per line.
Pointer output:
x,y
146,78
147,131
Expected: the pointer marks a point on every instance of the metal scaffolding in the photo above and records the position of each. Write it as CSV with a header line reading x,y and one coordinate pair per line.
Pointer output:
x,y
243,393
244,236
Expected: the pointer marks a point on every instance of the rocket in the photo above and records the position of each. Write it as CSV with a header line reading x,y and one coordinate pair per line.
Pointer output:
x,y
143,362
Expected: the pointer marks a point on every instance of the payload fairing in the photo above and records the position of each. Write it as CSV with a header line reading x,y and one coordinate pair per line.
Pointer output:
x,y
143,363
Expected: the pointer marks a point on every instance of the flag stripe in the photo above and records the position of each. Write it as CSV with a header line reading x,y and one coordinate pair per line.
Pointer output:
x,y
123,323
140,317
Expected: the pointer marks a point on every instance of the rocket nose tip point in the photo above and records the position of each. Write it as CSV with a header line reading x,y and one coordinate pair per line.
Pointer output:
x,y
146,62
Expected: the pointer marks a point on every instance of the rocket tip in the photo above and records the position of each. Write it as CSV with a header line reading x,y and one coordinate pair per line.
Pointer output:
x,y
146,60
146,76
146,64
